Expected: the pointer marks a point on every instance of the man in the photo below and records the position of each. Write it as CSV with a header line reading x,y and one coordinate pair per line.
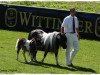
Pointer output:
x,y
70,27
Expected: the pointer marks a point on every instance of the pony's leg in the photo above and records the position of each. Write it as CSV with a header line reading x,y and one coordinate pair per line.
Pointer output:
x,y
34,55
18,50
24,56
56,56
31,56
44,56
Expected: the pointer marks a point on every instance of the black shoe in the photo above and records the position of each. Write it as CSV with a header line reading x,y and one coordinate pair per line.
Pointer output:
x,y
71,65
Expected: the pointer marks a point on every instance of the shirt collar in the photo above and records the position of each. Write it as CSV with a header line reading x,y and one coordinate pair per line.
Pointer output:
x,y
71,16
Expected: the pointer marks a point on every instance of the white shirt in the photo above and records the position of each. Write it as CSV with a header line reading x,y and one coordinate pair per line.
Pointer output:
x,y
68,24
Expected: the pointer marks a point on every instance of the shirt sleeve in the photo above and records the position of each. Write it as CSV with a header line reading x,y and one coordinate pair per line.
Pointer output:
x,y
64,23
77,23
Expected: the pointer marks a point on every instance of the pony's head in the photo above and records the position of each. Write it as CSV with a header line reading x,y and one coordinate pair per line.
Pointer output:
x,y
62,40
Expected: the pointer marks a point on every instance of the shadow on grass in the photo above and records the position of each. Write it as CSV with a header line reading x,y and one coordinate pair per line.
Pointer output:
x,y
78,68
71,68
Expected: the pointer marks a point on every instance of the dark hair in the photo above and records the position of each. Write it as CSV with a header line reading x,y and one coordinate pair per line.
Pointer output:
x,y
72,10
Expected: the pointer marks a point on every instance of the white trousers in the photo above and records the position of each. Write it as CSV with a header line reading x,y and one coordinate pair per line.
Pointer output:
x,y
72,47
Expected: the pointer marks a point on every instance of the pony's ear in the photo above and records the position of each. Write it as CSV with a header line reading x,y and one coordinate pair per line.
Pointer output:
x,y
24,41
65,33
58,36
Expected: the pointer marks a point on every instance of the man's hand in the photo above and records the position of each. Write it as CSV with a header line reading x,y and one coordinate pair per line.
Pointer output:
x,y
77,29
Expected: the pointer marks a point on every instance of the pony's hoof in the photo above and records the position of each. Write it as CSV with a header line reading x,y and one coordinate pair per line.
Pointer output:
x,y
31,62
35,60
26,62
42,61
57,64
17,59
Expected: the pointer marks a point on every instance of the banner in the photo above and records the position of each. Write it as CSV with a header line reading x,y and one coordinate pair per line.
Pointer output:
x,y
22,18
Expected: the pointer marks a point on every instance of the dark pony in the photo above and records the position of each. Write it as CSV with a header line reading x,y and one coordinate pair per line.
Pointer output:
x,y
48,42
26,46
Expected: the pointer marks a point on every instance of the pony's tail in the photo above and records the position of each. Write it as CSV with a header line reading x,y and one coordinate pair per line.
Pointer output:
x,y
18,47
17,44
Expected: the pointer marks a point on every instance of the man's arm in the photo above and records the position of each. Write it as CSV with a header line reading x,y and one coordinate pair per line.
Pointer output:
x,y
77,29
63,25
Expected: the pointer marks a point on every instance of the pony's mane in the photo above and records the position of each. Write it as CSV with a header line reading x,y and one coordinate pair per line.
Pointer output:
x,y
49,40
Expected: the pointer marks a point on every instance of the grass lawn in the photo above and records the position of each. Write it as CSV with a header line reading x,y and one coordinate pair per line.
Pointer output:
x,y
87,61
80,6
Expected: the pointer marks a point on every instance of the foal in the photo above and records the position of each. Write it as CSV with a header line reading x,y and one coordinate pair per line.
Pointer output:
x,y
26,46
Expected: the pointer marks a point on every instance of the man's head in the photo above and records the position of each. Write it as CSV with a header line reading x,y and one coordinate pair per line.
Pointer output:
x,y
72,11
